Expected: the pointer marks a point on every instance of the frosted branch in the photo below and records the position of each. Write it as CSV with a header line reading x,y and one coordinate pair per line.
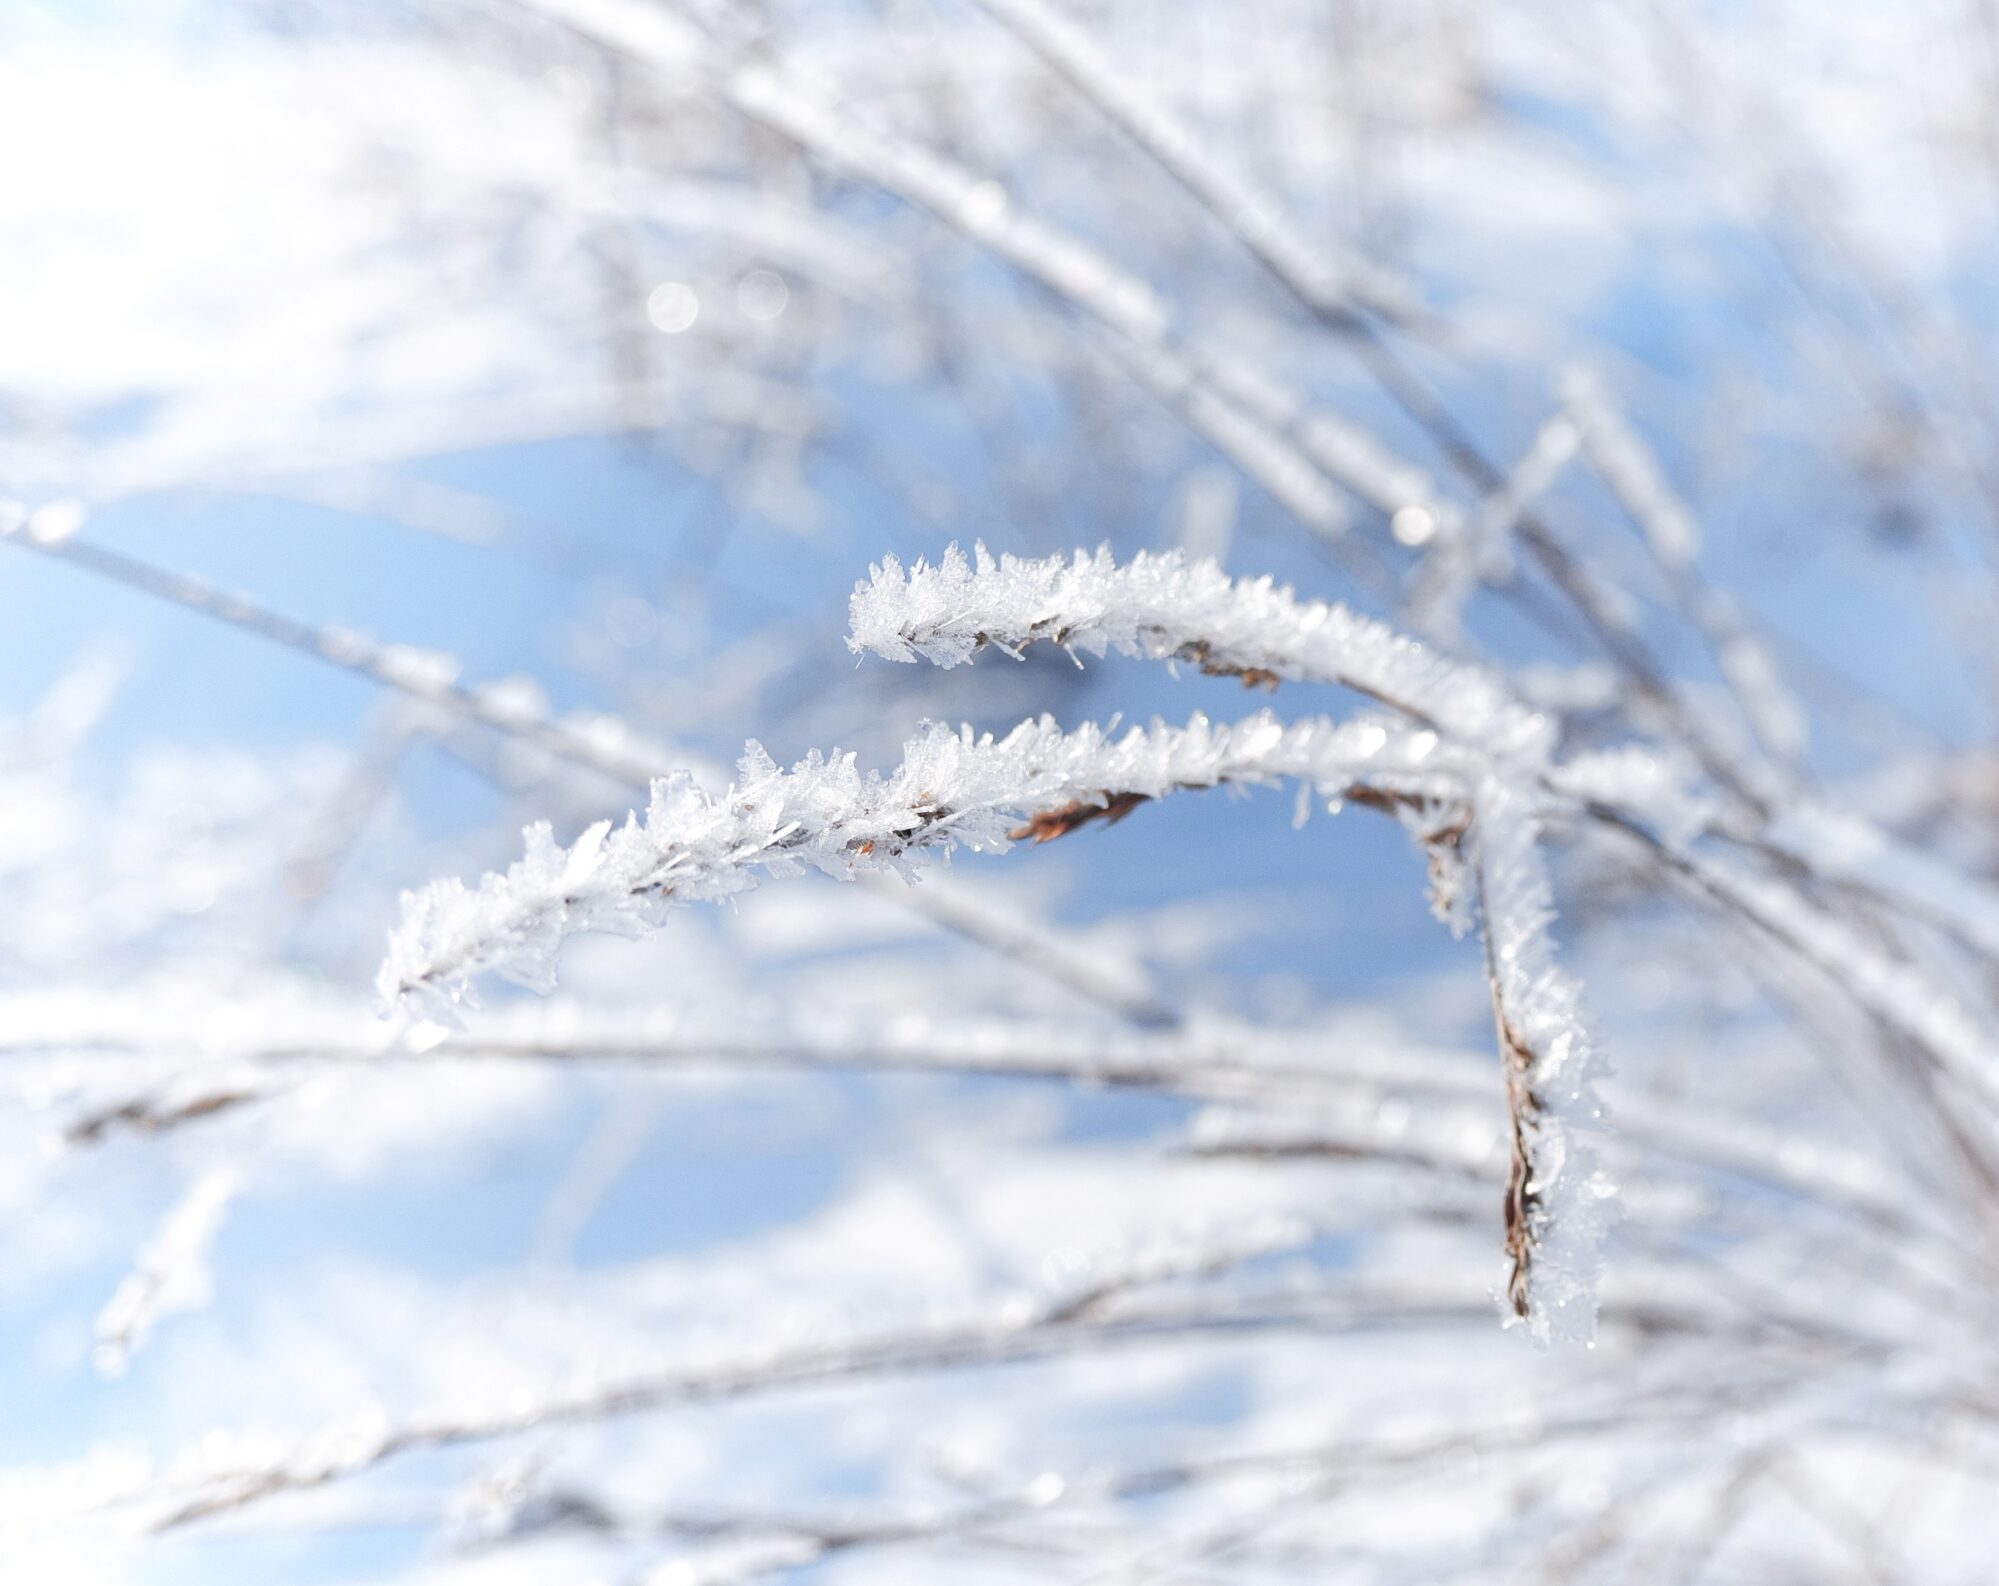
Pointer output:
x,y
1165,607
1837,846
1251,417
1558,1202
1070,1322
1323,276
1885,986
1479,549
952,789
1673,537
514,707
1076,1320
170,1275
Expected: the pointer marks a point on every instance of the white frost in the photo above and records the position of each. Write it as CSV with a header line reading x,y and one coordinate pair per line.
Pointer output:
x,y
952,788
1558,1111
170,1275
1163,606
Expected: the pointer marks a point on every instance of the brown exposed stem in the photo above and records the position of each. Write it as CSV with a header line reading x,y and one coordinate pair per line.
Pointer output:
x,y
1047,825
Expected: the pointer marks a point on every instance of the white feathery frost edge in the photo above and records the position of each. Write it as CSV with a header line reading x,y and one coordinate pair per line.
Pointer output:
x,y
952,788
1164,607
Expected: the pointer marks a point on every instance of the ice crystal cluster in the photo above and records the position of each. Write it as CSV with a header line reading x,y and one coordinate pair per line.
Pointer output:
x,y
952,789
1163,607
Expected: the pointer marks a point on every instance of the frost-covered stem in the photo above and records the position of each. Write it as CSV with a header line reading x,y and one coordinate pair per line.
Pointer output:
x,y
1265,456
1162,606
999,1513
1118,984
1202,1060
1324,276
1480,548
601,745
1224,1063
1672,536
1041,783
951,789
1052,1328
1605,613
1833,846
605,745
1557,1199
171,1273
1246,413
1887,988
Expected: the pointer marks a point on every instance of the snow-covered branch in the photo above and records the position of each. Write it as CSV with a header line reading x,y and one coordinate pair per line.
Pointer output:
x,y
1322,274
952,789
1162,606
171,1273
1270,428
1557,1200
1140,1300
1040,782
1673,538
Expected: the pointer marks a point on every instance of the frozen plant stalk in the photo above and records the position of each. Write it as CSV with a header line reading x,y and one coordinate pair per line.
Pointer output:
x,y
952,789
1558,1201
1462,764
1163,607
